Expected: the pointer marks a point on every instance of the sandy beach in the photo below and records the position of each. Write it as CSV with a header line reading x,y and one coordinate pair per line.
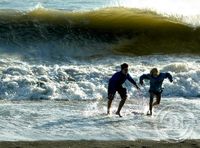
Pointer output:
x,y
100,144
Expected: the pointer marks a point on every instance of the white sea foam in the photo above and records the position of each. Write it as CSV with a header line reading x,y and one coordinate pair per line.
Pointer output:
x,y
89,81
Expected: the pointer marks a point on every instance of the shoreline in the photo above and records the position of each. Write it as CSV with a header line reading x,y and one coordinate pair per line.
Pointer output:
x,y
100,144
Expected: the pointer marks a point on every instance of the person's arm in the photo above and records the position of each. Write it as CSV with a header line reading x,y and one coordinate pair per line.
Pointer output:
x,y
169,76
144,76
132,81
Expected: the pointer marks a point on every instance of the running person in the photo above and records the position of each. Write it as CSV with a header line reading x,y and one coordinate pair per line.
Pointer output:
x,y
156,80
115,85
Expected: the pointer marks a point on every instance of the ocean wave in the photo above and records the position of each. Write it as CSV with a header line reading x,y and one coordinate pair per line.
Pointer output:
x,y
111,30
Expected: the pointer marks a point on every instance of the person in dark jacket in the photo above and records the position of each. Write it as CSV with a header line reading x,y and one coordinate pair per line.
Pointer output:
x,y
115,85
156,80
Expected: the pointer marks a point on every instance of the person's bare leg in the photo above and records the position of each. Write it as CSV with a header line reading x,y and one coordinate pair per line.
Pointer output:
x,y
121,104
150,104
110,98
109,106
158,97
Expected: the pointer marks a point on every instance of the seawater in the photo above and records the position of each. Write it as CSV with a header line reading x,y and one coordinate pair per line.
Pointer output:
x,y
57,57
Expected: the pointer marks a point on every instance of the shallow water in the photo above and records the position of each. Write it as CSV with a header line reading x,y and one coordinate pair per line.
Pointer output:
x,y
73,120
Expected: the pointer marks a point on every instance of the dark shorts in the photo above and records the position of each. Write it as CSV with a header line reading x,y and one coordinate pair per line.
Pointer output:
x,y
157,93
112,91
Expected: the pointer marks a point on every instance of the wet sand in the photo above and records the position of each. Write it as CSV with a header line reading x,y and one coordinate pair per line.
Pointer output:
x,y
100,144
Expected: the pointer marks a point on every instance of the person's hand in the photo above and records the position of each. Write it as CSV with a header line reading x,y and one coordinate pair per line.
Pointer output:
x,y
171,81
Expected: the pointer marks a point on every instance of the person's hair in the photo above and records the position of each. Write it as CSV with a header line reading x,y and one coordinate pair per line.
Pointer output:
x,y
154,70
124,65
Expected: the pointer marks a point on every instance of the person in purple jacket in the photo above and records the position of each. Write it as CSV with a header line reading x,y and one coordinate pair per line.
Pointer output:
x,y
156,79
115,85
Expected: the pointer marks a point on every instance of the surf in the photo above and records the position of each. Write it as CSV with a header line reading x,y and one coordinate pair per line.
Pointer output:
x,y
113,30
